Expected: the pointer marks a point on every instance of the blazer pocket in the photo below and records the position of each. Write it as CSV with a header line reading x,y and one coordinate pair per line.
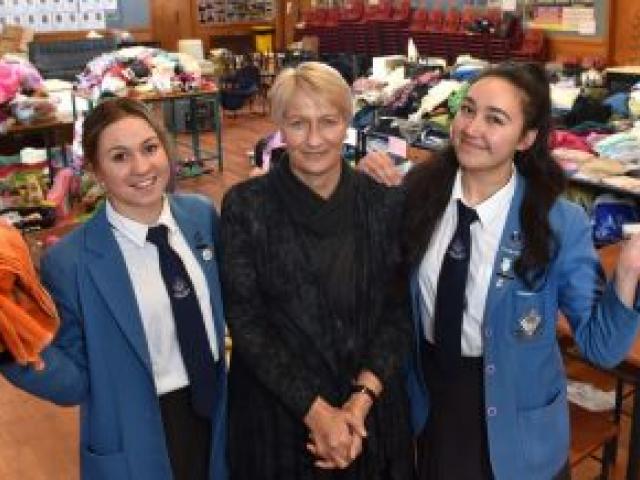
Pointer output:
x,y
112,466
529,324
544,433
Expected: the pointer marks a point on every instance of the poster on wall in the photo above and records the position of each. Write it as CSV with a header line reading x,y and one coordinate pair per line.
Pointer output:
x,y
230,11
563,16
509,5
59,15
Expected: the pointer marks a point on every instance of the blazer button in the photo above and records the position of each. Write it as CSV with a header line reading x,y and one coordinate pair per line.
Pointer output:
x,y
487,332
492,411
491,369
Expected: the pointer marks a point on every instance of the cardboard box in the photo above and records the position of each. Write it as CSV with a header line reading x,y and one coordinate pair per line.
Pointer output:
x,y
9,46
14,31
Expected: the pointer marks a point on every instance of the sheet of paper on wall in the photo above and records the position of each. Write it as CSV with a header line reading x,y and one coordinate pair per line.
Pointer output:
x,y
43,22
70,6
509,5
99,20
109,4
30,20
573,17
28,6
58,21
71,21
15,7
587,27
84,21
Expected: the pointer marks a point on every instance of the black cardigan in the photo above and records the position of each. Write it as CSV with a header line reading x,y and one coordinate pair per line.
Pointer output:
x,y
281,360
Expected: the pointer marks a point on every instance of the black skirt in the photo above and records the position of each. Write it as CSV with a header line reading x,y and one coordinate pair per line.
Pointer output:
x,y
454,444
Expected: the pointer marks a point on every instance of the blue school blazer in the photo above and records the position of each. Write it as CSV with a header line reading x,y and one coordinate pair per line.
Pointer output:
x,y
99,359
525,384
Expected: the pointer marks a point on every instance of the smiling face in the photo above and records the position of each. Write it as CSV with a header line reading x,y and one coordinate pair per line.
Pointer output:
x,y
133,166
314,130
490,127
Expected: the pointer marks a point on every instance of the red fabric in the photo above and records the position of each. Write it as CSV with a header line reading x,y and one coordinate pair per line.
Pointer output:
x,y
565,139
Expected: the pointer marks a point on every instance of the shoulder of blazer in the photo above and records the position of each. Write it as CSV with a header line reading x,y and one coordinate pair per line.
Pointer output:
x,y
566,216
191,202
67,251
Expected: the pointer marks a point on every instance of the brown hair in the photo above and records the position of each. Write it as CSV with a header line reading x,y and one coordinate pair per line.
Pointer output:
x,y
315,78
110,111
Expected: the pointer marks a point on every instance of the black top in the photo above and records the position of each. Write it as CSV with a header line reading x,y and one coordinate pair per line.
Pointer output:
x,y
313,295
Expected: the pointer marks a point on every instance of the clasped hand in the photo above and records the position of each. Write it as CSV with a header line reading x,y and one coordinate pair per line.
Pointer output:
x,y
336,434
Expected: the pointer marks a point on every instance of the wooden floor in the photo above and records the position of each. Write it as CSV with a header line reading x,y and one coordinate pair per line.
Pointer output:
x,y
38,441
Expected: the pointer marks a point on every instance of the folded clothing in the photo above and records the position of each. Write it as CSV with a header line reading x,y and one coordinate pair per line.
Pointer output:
x,y
28,316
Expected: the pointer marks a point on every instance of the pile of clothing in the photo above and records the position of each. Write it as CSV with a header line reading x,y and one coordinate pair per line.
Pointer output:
x,y
22,94
141,70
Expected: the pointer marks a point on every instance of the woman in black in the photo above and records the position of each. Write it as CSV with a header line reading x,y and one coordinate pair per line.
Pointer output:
x,y
316,304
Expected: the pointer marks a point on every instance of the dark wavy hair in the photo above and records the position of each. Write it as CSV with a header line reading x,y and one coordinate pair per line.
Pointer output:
x,y
429,185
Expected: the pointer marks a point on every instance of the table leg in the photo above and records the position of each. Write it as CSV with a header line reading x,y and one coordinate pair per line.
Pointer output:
x,y
217,119
633,463
195,133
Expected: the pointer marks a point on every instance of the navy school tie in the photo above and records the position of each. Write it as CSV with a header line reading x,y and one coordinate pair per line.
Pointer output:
x,y
192,336
450,295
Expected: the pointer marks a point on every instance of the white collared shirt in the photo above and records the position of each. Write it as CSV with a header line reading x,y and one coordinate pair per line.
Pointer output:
x,y
141,258
485,240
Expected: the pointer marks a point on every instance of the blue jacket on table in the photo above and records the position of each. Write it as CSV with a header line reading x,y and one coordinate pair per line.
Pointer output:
x,y
100,360
525,383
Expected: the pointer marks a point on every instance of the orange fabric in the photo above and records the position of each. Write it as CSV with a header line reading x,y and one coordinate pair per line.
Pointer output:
x,y
28,316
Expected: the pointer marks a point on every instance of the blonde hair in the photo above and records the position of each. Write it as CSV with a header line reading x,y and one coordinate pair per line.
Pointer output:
x,y
317,79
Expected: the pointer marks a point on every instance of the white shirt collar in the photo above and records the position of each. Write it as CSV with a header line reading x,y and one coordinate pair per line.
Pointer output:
x,y
136,231
492,206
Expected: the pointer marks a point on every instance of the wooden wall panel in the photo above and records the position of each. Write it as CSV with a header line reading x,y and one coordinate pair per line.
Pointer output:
x,y
575,46
625,35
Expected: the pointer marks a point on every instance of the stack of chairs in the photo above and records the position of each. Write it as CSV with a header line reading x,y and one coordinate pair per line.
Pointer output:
x,y
425,29
464,40
393,31
353,27
450,33
330,40
506,38
375,16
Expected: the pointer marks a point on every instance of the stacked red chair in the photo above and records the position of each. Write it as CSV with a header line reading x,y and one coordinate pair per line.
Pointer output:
x,y
313,20
329,35
359,36
376,15
417,27
506,37
350,16
393,30
433,38
465,40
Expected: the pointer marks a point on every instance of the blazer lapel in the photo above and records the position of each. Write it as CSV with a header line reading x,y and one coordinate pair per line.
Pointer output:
x,y
509,249
109,272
